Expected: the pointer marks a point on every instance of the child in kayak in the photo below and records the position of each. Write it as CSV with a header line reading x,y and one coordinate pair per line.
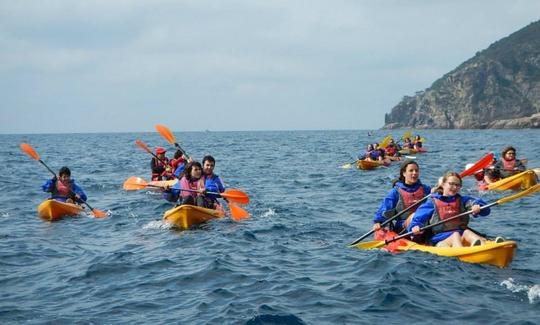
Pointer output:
x,y
63,188
509,165
212,182
406,191
446,204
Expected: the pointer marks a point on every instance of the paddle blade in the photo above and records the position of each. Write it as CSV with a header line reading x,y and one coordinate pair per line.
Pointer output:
x,y
479,165
236,196
143,145
237,213
406,135
29,150
531,190
99,214
370,244
347,166
166,133
134,183
385,142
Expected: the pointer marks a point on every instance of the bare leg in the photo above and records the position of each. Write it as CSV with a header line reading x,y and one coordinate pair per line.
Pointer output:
x,y
471,237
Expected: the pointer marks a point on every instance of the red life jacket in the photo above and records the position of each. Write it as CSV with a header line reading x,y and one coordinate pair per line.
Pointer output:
x,y
509,165
164,164
406,199
391,151
62,190
445,210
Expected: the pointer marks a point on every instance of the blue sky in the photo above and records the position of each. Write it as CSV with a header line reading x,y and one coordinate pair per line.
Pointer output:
x,y
120,66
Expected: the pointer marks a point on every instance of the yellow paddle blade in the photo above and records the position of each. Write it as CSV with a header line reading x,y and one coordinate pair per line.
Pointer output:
x,y
29,150
522,180
531,190
370,244
237,213
166,133
134,183
422,139
385,142
406,135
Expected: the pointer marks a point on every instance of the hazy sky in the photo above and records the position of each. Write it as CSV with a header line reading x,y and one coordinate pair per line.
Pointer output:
x,y
106,65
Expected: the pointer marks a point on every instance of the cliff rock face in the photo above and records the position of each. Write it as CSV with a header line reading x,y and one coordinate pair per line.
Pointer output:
x,y
498,88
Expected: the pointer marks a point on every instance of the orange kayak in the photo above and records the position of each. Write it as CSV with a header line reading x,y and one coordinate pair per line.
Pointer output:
x,y
53,210
186,216
369,164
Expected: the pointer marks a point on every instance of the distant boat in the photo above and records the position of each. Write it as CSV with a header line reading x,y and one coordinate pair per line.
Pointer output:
x,y
369,133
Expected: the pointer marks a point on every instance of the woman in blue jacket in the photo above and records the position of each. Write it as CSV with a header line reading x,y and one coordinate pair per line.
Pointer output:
x,y
63,188
406,191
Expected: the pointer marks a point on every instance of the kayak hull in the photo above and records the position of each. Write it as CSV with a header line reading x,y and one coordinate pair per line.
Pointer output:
x,y
517,182
186,216
492,253
369,164
52,210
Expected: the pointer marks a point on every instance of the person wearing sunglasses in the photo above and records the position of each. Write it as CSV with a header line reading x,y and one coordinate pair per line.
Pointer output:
x,y
444,204
508,165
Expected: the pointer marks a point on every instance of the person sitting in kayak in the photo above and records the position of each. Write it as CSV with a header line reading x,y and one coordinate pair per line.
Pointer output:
x,y
416,143
368,153
63,188
508,165
178,163
161,169
406,191
212,182
391,151
444,204
490,175
190,189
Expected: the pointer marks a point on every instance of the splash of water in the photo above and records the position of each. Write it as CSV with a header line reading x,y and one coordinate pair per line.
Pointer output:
x,y
533,292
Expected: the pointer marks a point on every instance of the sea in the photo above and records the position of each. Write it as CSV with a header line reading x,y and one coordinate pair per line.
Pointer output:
x,y
289,263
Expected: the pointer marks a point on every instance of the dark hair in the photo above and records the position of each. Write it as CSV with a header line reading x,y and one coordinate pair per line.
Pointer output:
x,y
208,158
402,169
178,154
505,150
187,171
64,171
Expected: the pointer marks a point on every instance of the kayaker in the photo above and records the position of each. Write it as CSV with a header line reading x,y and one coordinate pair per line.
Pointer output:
x,y
508,165
192,180
444,204
365,154
406,191
178,163
213,182
417,143
161,169
490,175
63,188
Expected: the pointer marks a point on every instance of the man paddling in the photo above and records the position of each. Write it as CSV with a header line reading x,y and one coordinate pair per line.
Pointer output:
x,y
63,188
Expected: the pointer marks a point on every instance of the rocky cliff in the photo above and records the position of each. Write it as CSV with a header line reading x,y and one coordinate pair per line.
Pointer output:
x,y
498,88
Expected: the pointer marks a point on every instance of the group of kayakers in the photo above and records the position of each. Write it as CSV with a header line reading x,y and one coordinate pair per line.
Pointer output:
x,y
390,150
198,184
403,204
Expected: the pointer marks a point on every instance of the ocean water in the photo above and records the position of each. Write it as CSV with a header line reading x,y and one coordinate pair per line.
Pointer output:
x,y
288,264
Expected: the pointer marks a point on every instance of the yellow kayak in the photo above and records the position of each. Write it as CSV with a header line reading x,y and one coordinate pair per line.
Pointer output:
x,y
492,253
185,216
369,164
53,210
520,181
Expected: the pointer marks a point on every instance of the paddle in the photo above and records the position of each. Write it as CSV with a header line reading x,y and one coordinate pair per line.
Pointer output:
x,y
34,155
380,243
167,134
136,183
385,142
145,148
237,213
474,168
406,135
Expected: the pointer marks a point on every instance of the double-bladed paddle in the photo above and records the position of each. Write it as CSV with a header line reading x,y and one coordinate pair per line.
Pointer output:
x,y
381,243
481,164
136,183
34,155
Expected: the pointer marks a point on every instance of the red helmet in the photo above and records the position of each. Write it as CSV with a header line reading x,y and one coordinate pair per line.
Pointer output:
x,y
160,150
